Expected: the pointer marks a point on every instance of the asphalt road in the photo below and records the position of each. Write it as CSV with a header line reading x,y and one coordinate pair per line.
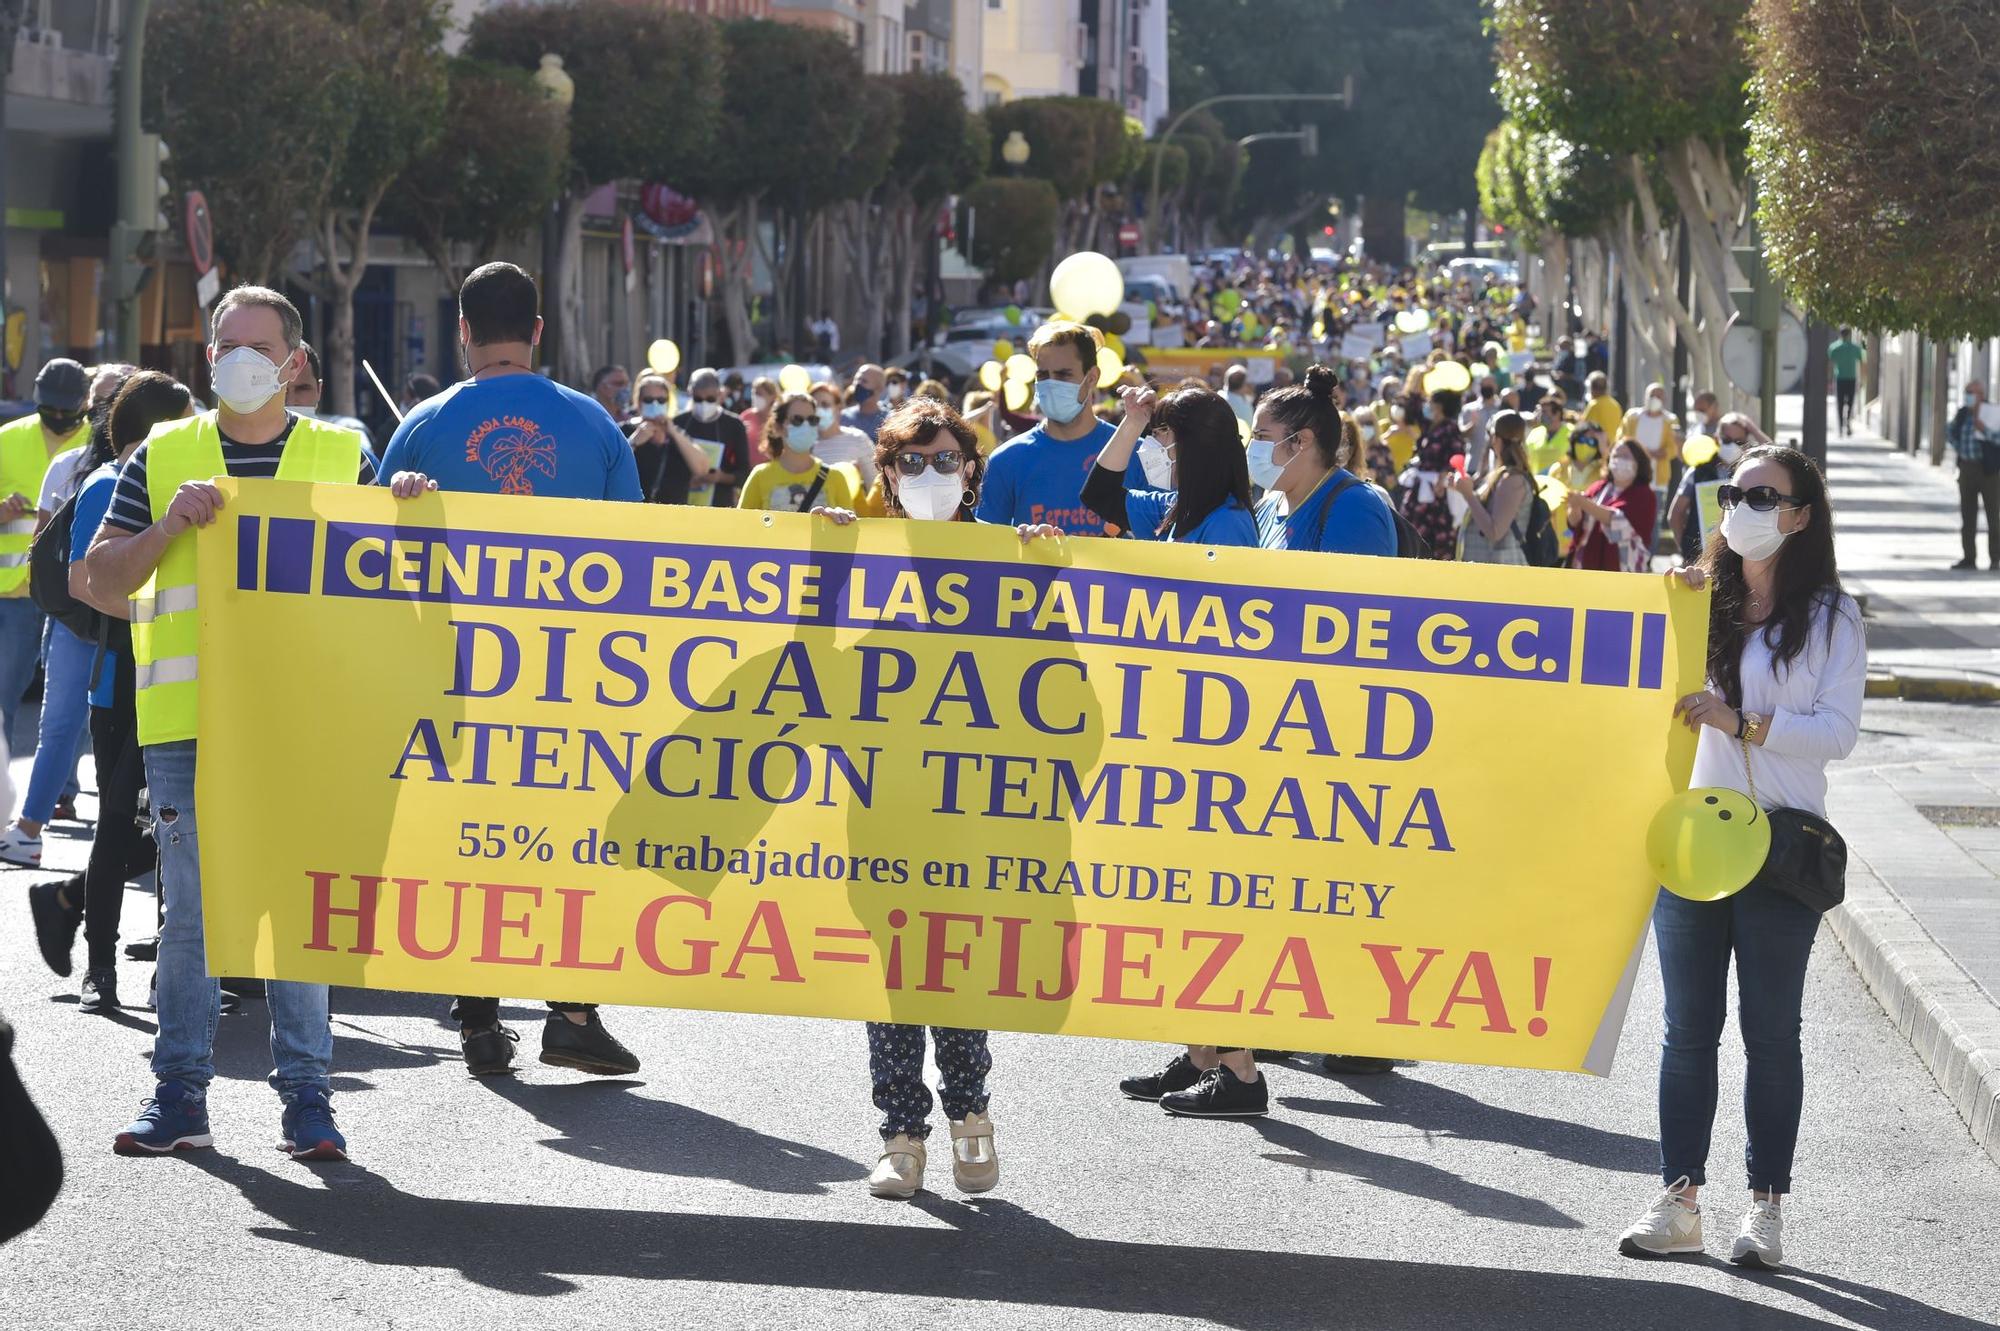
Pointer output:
x,y
721,1186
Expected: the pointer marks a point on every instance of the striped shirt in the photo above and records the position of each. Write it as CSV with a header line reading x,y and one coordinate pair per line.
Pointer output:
x,y
132,508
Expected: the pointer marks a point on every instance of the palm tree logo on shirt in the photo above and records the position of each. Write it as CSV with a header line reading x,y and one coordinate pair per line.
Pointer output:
x,y
511,449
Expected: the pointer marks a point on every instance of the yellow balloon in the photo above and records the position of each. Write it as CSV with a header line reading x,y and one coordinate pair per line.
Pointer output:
x,y
1002,348
1018,394
1109,368
1707,843
1020,370
1116,343
1698,449
663,356
795,379
1088,283
990,376
1243,430
1413,321
1447,377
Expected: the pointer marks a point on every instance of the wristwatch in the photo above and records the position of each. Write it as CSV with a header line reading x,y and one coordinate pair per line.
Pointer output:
x,y
1751,725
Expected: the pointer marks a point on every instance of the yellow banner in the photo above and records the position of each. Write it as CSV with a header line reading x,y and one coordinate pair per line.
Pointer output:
x,y
921,772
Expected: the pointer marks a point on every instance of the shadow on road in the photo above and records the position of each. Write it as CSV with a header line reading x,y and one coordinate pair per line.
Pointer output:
x,y
1438,1110
605,1123
997,1252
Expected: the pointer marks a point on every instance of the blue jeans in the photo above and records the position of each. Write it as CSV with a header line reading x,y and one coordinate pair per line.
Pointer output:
x,y
1771,936
190,1002
65,721
20,649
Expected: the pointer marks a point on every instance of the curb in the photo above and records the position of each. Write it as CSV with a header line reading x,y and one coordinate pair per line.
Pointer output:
x,y
1919,986
1933,688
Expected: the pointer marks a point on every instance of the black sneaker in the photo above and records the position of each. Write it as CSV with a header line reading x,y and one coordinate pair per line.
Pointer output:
x,y
1176,1076
1966,566
100,991
143,949
55,921
489,1050
1220,1095
587,1048
1357,1065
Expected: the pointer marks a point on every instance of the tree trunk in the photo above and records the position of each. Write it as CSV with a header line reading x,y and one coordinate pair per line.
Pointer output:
x,y
572,360
1382,228
734,246
343,279
907,251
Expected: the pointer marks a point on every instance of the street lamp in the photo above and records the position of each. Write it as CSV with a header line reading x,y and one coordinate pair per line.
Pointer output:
x,y
1014,152
555,81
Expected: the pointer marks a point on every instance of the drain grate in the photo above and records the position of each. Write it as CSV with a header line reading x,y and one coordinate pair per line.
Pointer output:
x,y
1962,815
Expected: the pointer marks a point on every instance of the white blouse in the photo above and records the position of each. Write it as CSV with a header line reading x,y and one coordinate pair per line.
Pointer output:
x,y
1814,711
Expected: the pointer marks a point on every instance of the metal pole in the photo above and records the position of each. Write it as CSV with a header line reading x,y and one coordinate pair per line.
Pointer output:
x,y
136,179
1345,97
1685,282
1818,338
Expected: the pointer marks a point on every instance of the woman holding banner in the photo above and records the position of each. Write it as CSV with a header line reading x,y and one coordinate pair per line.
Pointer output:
x,y
930,466
1787,664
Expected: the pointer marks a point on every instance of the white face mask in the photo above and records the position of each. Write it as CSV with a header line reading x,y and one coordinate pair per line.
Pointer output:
x,y
707,411
1728,452
1623,469
1655,405
1751,534
930,497
244,380
1159,467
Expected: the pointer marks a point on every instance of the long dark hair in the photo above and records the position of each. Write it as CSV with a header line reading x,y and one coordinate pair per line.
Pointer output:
x,y
1806,579
100,450
1209,460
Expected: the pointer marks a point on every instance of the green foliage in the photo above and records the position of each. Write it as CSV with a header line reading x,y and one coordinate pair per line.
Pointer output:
x,y
1503,182
1075,143
792,110
495,168
1173,163
649,88
1622,76
1575,191
265,154
1422,81
1877,161
398,84
1014,225
941,148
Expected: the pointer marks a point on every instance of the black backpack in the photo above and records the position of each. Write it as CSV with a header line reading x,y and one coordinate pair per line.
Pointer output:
x,y
1540,545
1410,543
48,576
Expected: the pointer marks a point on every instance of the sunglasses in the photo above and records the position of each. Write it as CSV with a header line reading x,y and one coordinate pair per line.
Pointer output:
x,y
802,420
662,401
1762,498
945,462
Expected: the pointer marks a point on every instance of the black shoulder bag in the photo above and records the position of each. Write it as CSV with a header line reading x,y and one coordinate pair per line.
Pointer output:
x,y
1808,858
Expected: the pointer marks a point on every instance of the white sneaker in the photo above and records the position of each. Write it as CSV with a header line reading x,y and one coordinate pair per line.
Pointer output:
x,y
899,1174
1759,1244
17,847
1670,1226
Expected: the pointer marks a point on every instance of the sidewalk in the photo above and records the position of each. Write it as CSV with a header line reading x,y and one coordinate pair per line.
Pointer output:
x,y
1922,917
1933,635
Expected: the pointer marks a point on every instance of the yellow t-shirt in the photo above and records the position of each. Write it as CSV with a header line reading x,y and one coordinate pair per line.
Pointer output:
x,y
772,487
1402,442
1605,413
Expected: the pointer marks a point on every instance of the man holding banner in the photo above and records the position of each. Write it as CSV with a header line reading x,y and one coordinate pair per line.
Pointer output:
x,y
146,550
507,430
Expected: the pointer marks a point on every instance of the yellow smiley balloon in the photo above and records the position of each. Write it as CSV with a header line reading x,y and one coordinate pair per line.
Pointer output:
x,y
1708,843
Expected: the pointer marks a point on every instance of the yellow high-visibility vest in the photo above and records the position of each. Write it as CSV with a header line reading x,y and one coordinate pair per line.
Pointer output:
x,y
165,626
24,460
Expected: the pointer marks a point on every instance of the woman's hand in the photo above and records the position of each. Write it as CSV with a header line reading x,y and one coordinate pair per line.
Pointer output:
x,y
1031,531
839,517
410,484
1463,483
1705,709
1138,404
1691,576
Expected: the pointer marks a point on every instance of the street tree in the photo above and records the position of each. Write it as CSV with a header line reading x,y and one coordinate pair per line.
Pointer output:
x,y
1878,169
1014,221
648,106
266,154
1080,145
493,172
395,78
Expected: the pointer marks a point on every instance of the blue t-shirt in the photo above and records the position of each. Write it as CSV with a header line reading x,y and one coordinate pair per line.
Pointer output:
x,y
1359,523
1033,478
1228,523
515,434
93,501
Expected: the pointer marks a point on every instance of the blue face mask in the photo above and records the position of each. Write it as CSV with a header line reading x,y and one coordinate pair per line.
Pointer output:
x,y
653,411
1058,401
800,438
